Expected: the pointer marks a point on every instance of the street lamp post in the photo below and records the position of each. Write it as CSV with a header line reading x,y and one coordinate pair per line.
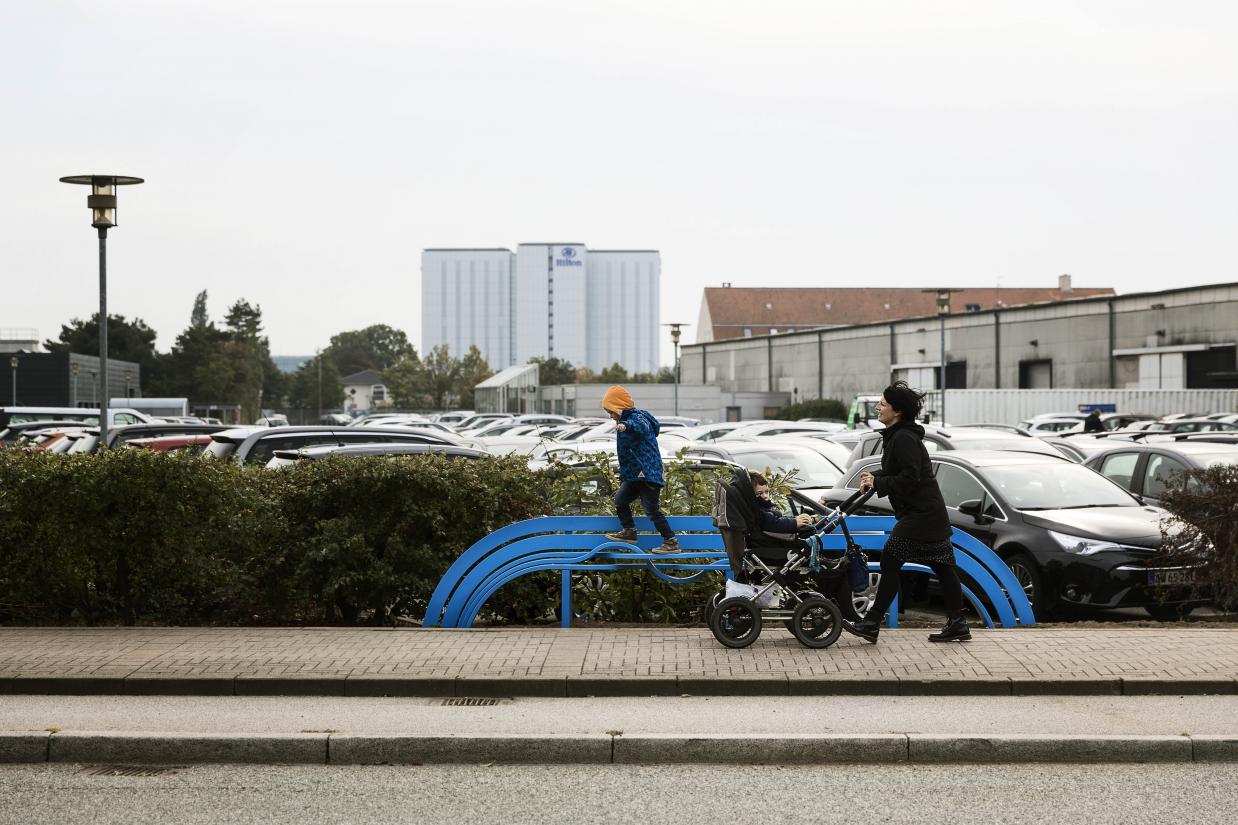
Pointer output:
x,y
675,328
943,309
102,204
13,364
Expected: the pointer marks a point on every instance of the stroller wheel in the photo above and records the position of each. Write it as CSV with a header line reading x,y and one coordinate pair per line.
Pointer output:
x,y
736,622
712,604
817,622
804,595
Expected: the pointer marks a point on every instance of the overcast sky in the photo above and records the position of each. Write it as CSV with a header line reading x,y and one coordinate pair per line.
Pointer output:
x,y
301,154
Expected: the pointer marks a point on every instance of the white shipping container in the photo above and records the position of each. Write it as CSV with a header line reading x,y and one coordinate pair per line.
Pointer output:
x,y
1013,406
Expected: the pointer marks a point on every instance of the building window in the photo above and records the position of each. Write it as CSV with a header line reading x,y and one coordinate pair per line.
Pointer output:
x,y
973,307
747,332
378,393
1215,368
1036,374
773,330
734,413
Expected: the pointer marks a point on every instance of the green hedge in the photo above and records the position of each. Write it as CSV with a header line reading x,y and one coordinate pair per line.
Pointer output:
x,y
136,536
132,536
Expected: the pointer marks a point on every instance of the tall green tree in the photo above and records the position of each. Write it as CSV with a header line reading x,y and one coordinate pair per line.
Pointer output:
x,y
126,341
376,347
614,374
405,381
473,370
303,386
552,371
440,375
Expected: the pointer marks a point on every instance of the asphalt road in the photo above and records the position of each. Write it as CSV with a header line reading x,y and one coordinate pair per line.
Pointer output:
x,y
475,795
1170,715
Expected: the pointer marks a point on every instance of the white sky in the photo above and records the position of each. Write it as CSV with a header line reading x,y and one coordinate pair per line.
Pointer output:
x,y
301,154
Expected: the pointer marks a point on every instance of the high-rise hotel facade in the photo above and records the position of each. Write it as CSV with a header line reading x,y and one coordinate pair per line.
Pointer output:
x,y
587,306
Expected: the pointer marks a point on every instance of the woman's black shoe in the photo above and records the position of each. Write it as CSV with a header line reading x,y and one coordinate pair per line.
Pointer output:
x,y
956,630
865,629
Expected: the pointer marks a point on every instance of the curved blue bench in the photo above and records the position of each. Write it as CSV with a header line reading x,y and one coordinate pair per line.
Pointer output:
x,y
571,544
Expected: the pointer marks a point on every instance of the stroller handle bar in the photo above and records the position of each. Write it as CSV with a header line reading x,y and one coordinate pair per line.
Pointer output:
x,y
845,509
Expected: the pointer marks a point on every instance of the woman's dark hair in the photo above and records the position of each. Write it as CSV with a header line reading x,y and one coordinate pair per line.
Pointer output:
x,y
905,401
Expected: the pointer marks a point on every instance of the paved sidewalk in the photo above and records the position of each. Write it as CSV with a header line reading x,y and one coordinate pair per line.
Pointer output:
x,y
612,661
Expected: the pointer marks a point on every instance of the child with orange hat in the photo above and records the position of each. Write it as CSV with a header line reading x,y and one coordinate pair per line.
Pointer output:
x,y
640,468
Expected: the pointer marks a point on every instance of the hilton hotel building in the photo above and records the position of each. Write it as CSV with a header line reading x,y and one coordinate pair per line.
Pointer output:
x,y
563,300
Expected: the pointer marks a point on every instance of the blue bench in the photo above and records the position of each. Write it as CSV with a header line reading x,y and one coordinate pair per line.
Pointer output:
x,y
574,544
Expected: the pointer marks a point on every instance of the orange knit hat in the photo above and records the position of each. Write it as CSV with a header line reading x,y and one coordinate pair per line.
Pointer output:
x,y
617,399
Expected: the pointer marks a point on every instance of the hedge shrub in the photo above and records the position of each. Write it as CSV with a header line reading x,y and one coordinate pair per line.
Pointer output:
x,y
135,536
132,536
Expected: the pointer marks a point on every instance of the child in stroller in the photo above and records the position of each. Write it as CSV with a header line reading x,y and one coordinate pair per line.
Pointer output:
x,y
777,574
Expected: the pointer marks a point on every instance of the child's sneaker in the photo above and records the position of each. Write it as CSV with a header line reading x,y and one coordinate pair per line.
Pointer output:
x,y
667,547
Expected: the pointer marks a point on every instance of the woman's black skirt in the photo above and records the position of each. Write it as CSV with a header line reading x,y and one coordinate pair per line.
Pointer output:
x,y
919,552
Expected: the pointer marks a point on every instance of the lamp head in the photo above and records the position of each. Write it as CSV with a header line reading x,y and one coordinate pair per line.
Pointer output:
x,y
102,197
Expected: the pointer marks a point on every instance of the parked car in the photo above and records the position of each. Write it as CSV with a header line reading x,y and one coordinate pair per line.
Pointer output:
x,y
118,416
1148,469
256,445
286,458
172,443
816,473
479,420
940,439
764,428
1072,538
1051,426
1191,425
17,431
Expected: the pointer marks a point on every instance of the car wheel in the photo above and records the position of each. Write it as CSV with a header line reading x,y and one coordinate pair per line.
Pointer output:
x,y
855,606
1027,573
1169,612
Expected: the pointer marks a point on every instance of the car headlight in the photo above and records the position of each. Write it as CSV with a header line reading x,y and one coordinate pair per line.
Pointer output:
x,y
1084,546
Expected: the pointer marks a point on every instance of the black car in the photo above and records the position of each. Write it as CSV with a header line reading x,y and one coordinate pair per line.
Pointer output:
x,y
1073,538
1148,468
941,439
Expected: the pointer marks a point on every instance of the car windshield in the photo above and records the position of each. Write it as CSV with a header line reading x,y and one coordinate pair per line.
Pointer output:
x,y
1056,487
814,470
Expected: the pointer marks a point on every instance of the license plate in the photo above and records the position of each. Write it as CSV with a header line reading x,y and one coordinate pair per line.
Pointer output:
x,y
1162,578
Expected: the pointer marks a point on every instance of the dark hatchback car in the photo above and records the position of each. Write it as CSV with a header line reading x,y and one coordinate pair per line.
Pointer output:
x,y
1072,538
1148,469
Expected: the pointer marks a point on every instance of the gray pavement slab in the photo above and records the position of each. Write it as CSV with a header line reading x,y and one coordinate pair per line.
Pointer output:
x,y
545,661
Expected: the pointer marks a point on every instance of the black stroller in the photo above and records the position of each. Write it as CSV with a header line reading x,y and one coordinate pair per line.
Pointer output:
x,y
775,576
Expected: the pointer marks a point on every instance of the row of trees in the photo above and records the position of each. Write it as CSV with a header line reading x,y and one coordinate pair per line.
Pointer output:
x,y
231,364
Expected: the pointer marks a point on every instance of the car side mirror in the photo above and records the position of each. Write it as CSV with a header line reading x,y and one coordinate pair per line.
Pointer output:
x,y
974,507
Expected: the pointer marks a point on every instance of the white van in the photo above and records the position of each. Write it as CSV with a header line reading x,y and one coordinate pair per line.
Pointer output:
x,y
87,415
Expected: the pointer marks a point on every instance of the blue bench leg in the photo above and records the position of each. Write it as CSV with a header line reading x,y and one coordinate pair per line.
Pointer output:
x,y
892,614
565,607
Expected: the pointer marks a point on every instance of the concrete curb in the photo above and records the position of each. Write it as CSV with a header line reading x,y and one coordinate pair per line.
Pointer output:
x,y
567,749
178,748
94,747
764,684
760,749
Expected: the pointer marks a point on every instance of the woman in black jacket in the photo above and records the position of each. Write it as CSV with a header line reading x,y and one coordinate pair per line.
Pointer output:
x,y
921,533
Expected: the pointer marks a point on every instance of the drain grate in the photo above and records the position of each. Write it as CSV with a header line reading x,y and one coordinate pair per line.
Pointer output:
x,y
470,702
126,770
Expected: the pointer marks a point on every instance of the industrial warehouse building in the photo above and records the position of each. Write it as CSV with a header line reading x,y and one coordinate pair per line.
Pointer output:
x,y
594,307
1176,339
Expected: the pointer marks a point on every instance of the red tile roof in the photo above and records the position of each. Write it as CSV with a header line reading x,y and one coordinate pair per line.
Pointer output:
x,y
762,309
